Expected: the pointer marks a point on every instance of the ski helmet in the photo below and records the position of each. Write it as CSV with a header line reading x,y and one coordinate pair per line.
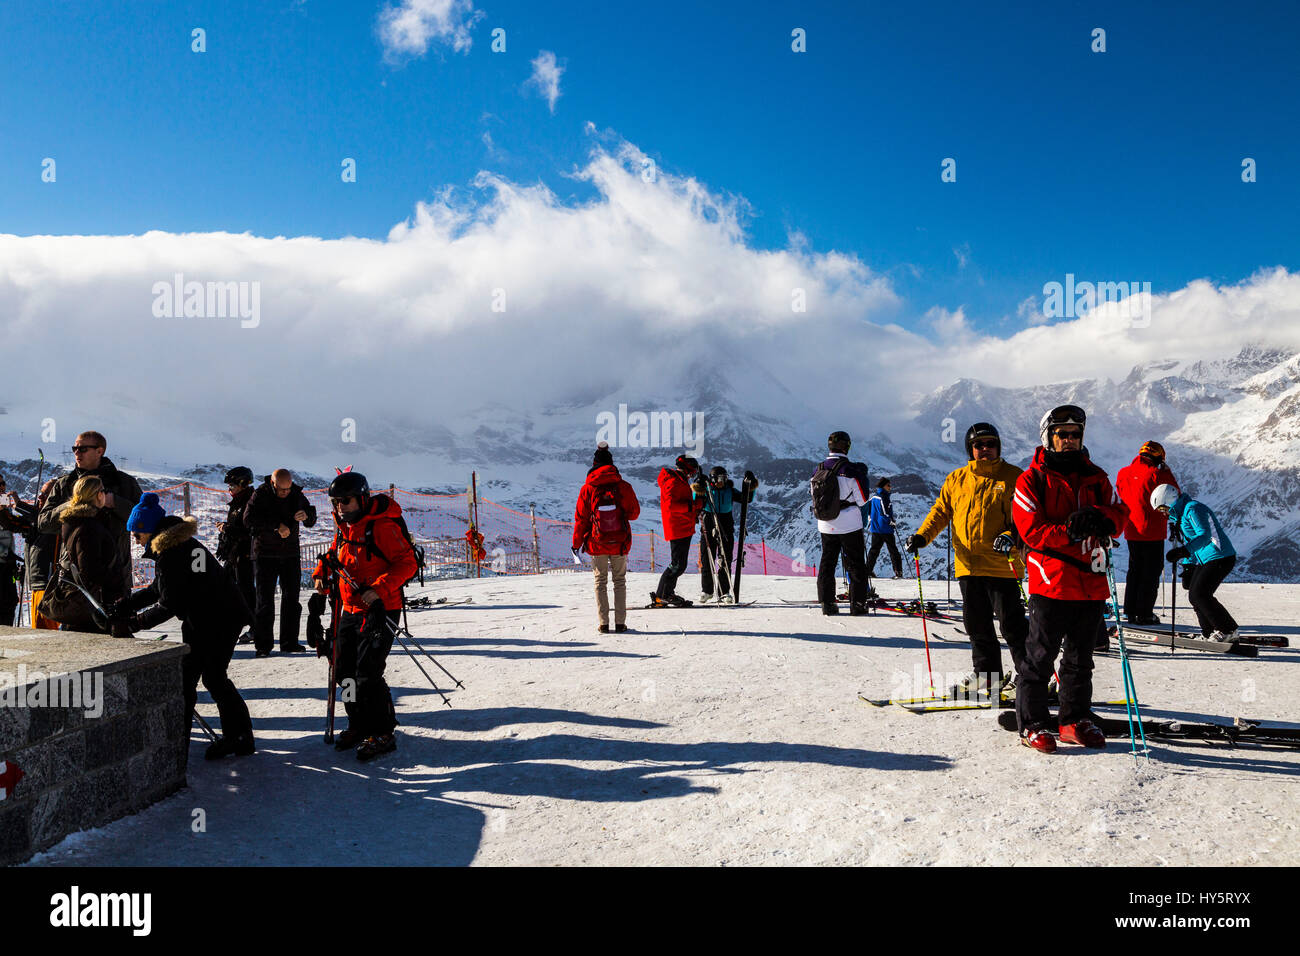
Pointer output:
x,y
239,475
840,442
1163,496
350,484
980,430
687,464
1153,450
1060,415
717,473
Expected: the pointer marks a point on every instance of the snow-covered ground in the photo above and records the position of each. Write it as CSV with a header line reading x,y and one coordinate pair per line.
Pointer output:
x,y
719,736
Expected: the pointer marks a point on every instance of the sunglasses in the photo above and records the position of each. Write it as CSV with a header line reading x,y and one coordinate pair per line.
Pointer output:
x,y
342,501
1068,433
987,444
78,449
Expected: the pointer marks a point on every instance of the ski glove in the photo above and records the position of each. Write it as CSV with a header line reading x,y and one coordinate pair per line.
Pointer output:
x,y
1177,554
914,544
749,481
1088,523
1003,543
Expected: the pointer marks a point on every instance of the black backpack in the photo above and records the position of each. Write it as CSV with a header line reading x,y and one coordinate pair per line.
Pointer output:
x,y
374,550
827,503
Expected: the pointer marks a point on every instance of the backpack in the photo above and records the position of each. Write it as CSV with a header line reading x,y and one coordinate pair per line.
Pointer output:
x,y
373,549
827,503
610,521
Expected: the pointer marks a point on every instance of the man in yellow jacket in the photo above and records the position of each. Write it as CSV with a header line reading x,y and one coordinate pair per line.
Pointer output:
x,y
976,500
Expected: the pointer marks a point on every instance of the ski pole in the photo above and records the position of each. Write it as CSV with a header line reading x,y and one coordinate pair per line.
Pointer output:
x,y
397,633
204,724
1132,709
424,651
925,630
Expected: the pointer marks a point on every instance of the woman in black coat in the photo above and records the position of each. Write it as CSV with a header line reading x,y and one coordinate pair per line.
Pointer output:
x,y
190,583
88,548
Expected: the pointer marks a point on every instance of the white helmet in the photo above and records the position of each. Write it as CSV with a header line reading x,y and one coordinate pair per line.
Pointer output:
x,y
1060,415
1163,496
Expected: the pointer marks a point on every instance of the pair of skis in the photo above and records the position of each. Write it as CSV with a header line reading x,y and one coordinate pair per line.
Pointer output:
x,y
1239,732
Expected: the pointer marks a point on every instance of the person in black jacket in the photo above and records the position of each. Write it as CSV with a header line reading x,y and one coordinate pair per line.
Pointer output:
x,y
272,517
10,566
235,542
38,549
190,583
121,492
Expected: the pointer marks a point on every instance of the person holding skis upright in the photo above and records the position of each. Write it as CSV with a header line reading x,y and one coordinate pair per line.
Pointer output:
x,y
373,560
1207,555
838,493
975,501
601,526
718,521
881,526
1145,531
679,508
1066,513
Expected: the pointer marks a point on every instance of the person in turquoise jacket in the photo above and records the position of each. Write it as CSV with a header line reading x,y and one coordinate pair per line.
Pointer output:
x,y
1207,557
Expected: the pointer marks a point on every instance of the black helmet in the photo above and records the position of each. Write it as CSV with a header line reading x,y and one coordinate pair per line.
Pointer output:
x,y
239,476
350,484
838,439
687,464
717,472
980,430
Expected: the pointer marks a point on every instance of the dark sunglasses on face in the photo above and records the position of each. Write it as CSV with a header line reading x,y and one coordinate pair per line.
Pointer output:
x,y
984,444
341,501
78,449
1069,433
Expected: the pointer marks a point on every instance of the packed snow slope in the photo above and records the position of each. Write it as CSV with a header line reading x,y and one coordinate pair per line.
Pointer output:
x,y
720,736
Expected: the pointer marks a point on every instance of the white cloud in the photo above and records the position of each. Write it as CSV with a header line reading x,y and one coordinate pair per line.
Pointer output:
x,y
1030,311
546,77
408,29
962,253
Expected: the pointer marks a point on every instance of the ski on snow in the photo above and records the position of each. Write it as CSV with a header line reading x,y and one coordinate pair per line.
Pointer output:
x,y
1172,731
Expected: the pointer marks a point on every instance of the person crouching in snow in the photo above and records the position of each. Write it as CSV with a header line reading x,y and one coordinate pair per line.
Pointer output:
x,y
1066,513
1207,555
191,584
601,527
372,549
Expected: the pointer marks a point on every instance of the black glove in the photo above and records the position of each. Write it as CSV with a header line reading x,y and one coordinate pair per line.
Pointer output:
x,y
914,544
120,610
1177,554
1088,523
1003,543
749,481
376,618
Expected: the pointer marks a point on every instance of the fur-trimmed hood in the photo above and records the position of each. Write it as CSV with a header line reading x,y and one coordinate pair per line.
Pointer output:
x,y
71,511
173,533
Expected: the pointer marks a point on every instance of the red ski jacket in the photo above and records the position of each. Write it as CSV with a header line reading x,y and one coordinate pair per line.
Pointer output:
x,y
1134,483
586,518
384,567
1057,567
678,509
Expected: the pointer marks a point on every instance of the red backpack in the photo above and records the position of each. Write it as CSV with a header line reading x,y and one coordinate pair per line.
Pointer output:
x,y
611,524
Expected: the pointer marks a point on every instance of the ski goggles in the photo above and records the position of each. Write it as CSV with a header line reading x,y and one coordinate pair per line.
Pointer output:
x,y
1067,415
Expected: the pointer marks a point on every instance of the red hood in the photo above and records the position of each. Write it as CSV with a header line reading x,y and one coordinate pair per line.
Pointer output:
x,y
604,475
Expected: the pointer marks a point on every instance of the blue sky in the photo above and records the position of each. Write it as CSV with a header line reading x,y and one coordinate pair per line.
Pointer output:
x,y
1122,165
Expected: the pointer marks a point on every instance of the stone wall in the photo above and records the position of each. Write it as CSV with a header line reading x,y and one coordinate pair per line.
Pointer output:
x,y
97,726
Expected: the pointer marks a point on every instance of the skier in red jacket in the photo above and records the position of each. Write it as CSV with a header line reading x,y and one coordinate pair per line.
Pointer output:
x,y
1145,531
1066,512
681,499
601,527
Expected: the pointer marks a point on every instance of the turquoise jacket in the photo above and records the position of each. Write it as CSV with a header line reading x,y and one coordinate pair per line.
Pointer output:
x,y
1202,534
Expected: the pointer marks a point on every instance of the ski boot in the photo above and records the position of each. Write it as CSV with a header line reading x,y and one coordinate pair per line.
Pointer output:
x,y
705,597
603,628
1084,732
373,747
241,746
347,740
971,687
1225,637
726,599
1040,740
1007,692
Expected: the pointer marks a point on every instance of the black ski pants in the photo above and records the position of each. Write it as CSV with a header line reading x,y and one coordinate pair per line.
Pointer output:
x,y
1146,561
207,660
1203,582
710,553
848,547
282,569
241,569
365,642
984,598
1070,629
679,554
877,540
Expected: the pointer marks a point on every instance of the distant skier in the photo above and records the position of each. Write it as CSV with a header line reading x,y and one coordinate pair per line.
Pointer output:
x,y
838,493
1145,531
720,497
190,583
235,541
1207,555
679,510
1066,512
601,527
976,502
881,526
372,548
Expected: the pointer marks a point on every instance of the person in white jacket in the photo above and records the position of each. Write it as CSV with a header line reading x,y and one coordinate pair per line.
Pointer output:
x,y
841,532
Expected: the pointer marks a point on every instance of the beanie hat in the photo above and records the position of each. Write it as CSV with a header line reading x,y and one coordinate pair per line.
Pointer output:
x,y
602,455
146,515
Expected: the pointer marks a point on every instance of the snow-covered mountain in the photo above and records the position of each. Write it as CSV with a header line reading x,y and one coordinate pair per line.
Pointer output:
x,y
1231,428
